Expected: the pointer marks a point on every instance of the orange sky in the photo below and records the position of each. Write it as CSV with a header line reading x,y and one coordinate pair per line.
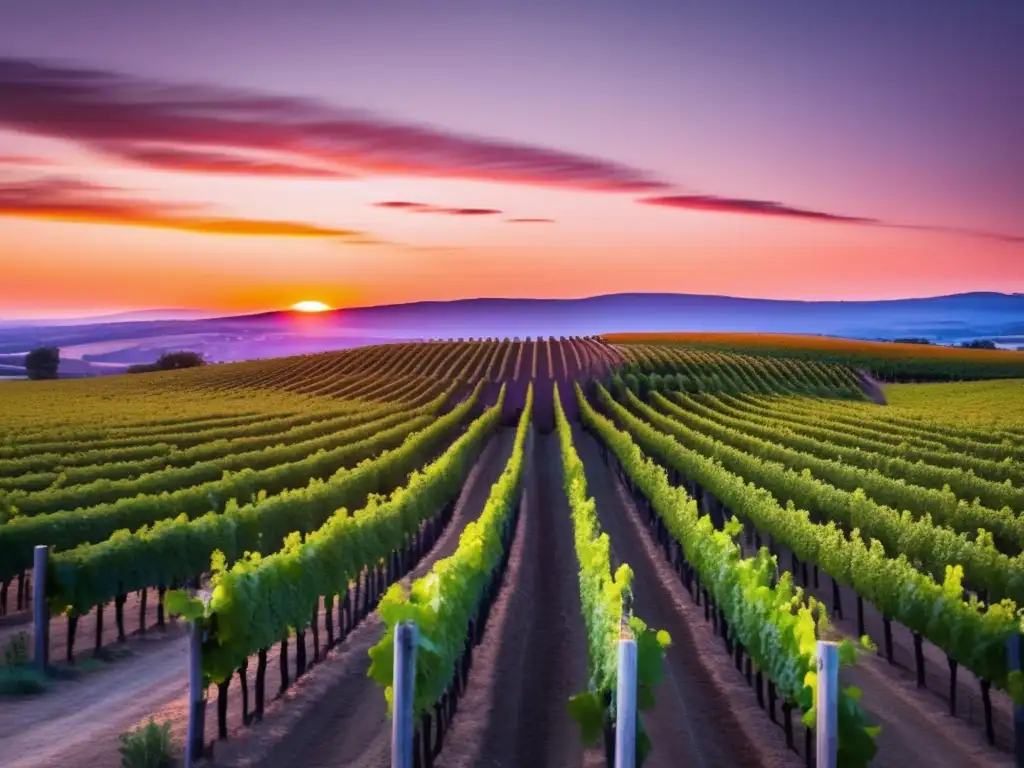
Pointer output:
x,y
609,245
248,171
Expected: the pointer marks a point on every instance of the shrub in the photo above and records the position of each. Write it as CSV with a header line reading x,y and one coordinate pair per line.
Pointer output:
x,y
17,678
149,746
16,650
170,361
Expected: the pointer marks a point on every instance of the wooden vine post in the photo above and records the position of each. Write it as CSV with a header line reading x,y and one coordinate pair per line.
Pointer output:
x,y
404,677
828,705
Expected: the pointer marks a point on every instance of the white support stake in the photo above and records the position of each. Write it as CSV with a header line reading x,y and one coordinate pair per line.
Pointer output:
x,y
828,705
404,677
196,697
625,706
40,611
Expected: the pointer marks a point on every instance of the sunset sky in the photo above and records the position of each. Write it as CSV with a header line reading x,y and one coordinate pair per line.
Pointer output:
x,y
238,156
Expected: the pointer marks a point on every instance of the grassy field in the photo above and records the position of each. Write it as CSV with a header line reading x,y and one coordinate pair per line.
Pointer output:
x,y
992,403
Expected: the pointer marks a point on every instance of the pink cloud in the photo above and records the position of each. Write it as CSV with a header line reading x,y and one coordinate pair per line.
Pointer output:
x,y
177,159
74,200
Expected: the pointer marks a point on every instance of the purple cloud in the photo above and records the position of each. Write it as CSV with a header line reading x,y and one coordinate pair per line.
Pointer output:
x,y
114,113
753,207
715,204
404,205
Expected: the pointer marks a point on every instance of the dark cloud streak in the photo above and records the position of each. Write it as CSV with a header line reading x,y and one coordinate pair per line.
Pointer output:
x,y
712,203
752,207
112,113
404,205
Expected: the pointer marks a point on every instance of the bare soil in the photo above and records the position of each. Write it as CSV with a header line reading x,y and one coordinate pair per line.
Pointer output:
x,y
77,723
533,657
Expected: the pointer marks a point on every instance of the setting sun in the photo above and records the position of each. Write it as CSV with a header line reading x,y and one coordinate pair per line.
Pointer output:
x,y
310,306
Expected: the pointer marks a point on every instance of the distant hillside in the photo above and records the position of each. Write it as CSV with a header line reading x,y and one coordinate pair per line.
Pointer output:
x,y
945,319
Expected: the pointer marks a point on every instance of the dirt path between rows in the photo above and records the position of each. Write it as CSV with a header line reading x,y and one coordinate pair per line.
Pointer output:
x,y
335,715
705,716
534,652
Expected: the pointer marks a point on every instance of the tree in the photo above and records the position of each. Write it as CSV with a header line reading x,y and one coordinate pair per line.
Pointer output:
x,y
979,344
170,361
42,363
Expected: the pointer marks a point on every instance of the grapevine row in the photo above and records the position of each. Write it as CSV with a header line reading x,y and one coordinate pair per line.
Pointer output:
x,y
770,619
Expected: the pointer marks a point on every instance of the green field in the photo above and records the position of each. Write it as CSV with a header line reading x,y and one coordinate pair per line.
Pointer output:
x,y
994,403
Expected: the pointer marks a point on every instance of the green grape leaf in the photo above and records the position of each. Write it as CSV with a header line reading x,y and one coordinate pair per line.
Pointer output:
x,y
587,710
1015,686
182,604
643,743
847,653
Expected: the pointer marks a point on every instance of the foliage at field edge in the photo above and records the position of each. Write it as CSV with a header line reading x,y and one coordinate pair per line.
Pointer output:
x,y
886,361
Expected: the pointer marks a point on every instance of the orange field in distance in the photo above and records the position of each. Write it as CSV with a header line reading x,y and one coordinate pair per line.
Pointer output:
x,y
798,342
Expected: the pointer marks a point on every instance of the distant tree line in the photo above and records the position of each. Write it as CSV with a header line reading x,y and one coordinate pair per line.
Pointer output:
x,y
170,361
975,344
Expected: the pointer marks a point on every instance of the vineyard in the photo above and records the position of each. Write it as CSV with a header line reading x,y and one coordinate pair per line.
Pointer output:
x,y
724,501
886,361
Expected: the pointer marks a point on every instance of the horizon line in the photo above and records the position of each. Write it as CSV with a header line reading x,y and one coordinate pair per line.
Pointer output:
x,y
214,316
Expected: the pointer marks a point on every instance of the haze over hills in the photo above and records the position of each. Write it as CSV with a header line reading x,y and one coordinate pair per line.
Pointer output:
x,y
115,317
132,338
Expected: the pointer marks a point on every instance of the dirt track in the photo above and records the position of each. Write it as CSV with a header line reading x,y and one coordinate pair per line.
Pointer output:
x,y
534,654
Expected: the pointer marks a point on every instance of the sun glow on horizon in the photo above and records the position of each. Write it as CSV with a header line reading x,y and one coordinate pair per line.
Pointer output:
x,y
310,306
